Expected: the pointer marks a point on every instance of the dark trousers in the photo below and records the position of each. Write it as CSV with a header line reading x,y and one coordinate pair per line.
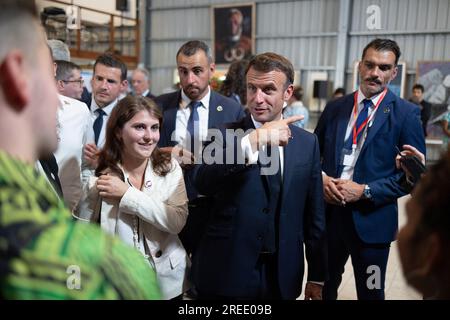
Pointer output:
x,y
263,282
369,260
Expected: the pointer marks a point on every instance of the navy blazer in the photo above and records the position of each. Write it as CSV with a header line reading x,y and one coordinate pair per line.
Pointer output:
x,y
229,249
397,122
229,111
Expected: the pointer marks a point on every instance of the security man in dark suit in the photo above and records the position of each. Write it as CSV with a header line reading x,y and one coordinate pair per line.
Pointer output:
x,y
187,116
359,135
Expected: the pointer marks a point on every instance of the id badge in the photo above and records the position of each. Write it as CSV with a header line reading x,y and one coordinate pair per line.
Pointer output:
x,y
346,153
349,159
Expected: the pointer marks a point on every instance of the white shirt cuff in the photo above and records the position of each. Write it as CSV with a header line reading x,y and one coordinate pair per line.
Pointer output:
x,y
246,147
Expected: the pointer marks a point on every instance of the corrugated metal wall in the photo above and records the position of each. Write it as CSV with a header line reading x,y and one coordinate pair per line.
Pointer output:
x,y
305,31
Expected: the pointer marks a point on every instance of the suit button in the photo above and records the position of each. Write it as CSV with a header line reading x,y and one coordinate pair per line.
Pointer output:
x,y
259,238
158,254
266,210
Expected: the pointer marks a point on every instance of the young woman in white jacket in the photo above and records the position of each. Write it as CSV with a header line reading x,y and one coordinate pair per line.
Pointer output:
x,y
138,192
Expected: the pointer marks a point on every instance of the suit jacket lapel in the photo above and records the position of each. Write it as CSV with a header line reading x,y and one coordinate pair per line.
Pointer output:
x,y
342,118
288,162
248,124
382,114
214,115
170,118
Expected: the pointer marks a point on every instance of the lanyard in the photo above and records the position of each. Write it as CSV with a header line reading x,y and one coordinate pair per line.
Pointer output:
x,y
357,131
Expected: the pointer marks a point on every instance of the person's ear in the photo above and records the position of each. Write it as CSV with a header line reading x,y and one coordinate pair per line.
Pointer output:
x,y
394,73
59,85
288,93
14,80
212,69
123,85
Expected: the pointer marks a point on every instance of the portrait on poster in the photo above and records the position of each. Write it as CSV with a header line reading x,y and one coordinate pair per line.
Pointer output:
x,y
233,32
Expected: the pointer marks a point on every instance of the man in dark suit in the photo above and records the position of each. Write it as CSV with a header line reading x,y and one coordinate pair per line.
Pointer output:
x,y
268,200
193,109
140,82
425,107
358,135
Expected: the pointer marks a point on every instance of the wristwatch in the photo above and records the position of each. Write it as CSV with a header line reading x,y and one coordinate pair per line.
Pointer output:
x,y
367,193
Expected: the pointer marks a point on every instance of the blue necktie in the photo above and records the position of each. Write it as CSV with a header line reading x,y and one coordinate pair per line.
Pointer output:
x,y
193,125
361,117
98,123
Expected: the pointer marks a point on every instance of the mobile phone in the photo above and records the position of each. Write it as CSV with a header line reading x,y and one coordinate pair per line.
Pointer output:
x,y
414,167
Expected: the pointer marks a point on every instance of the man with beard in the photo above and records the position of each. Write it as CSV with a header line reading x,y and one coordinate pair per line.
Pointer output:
x,y
358,135
187,115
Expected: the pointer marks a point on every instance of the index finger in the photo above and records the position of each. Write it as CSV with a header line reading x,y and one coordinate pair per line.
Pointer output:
x,y
293,119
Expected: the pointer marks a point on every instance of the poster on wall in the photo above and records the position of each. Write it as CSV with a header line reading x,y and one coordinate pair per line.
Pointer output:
x,y
435,78
397,86
233,32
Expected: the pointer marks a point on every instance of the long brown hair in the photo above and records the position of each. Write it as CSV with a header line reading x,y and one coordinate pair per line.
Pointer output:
x,y
111,154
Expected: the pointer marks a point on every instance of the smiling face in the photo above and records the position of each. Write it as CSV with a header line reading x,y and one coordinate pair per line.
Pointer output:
x,y
266,94
376,70
139,136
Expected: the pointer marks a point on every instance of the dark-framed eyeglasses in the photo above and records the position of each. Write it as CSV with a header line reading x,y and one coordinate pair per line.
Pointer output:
x,y
79,81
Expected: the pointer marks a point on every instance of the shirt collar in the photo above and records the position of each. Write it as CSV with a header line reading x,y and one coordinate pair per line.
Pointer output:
x,y
374,98
205,100
145,93
63,102
259,124
107,108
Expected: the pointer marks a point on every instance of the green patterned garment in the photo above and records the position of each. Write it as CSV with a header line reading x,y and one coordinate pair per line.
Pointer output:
x,y
45,254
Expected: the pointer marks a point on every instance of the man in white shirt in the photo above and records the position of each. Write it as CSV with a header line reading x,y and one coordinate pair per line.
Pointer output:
x,y
108,80
73,122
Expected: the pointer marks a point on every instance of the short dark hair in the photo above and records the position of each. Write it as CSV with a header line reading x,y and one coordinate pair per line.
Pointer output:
x,y
383,45
270,61
191,47
339,91
64,69
419,86
110,60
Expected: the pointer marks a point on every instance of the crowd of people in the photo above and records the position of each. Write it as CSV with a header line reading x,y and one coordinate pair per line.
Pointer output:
x,y
203,194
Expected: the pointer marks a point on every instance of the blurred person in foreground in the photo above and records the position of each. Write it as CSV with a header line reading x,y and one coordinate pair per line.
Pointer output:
x,y
424,241
44,253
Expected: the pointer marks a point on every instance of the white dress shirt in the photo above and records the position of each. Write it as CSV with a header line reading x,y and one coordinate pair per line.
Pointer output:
x,y
183,114
252,156
73,123
102,137
347,172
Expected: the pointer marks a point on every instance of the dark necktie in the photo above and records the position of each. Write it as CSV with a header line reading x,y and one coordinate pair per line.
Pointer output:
x,y
193,125
361,118
98,123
